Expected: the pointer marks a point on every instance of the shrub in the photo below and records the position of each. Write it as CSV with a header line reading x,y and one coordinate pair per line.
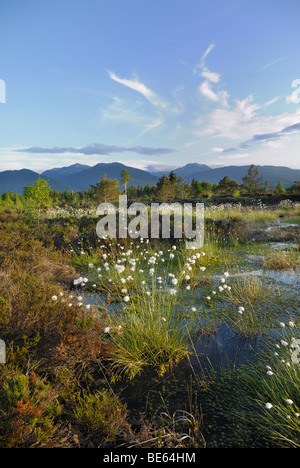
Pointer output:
x,y
29,408
101,415
227,229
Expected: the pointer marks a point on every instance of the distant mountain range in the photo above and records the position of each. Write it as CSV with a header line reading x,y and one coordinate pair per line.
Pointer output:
x,y
79,177
272,174
82,179
187,172
15,181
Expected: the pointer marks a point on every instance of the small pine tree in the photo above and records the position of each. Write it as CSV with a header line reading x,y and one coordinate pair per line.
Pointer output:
x,y
165,190
125,178
227,185
280,188
252,181
38,196
106,190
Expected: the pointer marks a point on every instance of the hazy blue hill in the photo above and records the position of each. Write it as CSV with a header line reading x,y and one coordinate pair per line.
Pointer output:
x,y
184,171
16,180
83,179
60,173
188,171
272,174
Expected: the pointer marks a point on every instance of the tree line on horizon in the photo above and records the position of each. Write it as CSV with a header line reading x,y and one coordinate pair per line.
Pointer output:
x,y
168,188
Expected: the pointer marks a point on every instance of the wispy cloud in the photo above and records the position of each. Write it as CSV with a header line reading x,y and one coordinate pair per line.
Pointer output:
x,y
270,64
207,92
230,123
97,149
266,138
272,101
150,95
201,64
151,126
205,87
211,76
246,125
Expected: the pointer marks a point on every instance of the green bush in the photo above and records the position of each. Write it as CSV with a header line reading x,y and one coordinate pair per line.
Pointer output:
x,y
101,414
29,408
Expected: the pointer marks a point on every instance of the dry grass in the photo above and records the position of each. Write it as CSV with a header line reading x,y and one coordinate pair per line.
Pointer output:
x,y
280,261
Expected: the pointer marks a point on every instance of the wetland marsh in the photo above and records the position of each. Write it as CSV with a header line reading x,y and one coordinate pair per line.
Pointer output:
x,y
143,343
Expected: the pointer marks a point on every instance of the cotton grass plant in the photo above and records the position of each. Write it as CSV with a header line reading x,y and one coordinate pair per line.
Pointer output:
x,y
248,290
148,334
275,384
155,287
256,305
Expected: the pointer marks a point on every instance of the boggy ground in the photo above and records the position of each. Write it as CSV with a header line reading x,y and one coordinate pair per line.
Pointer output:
x,y
176,349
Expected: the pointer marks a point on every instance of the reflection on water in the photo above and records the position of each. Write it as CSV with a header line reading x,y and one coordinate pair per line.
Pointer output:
x,y
223,346
291,277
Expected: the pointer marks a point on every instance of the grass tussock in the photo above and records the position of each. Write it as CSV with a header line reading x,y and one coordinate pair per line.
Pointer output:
x,y
280,261
145,341
275,387
248,290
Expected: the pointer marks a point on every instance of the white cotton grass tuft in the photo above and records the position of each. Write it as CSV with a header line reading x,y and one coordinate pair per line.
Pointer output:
x,y
77,281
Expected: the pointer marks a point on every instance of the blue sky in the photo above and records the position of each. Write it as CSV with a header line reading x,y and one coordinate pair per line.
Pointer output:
x,y
150,83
